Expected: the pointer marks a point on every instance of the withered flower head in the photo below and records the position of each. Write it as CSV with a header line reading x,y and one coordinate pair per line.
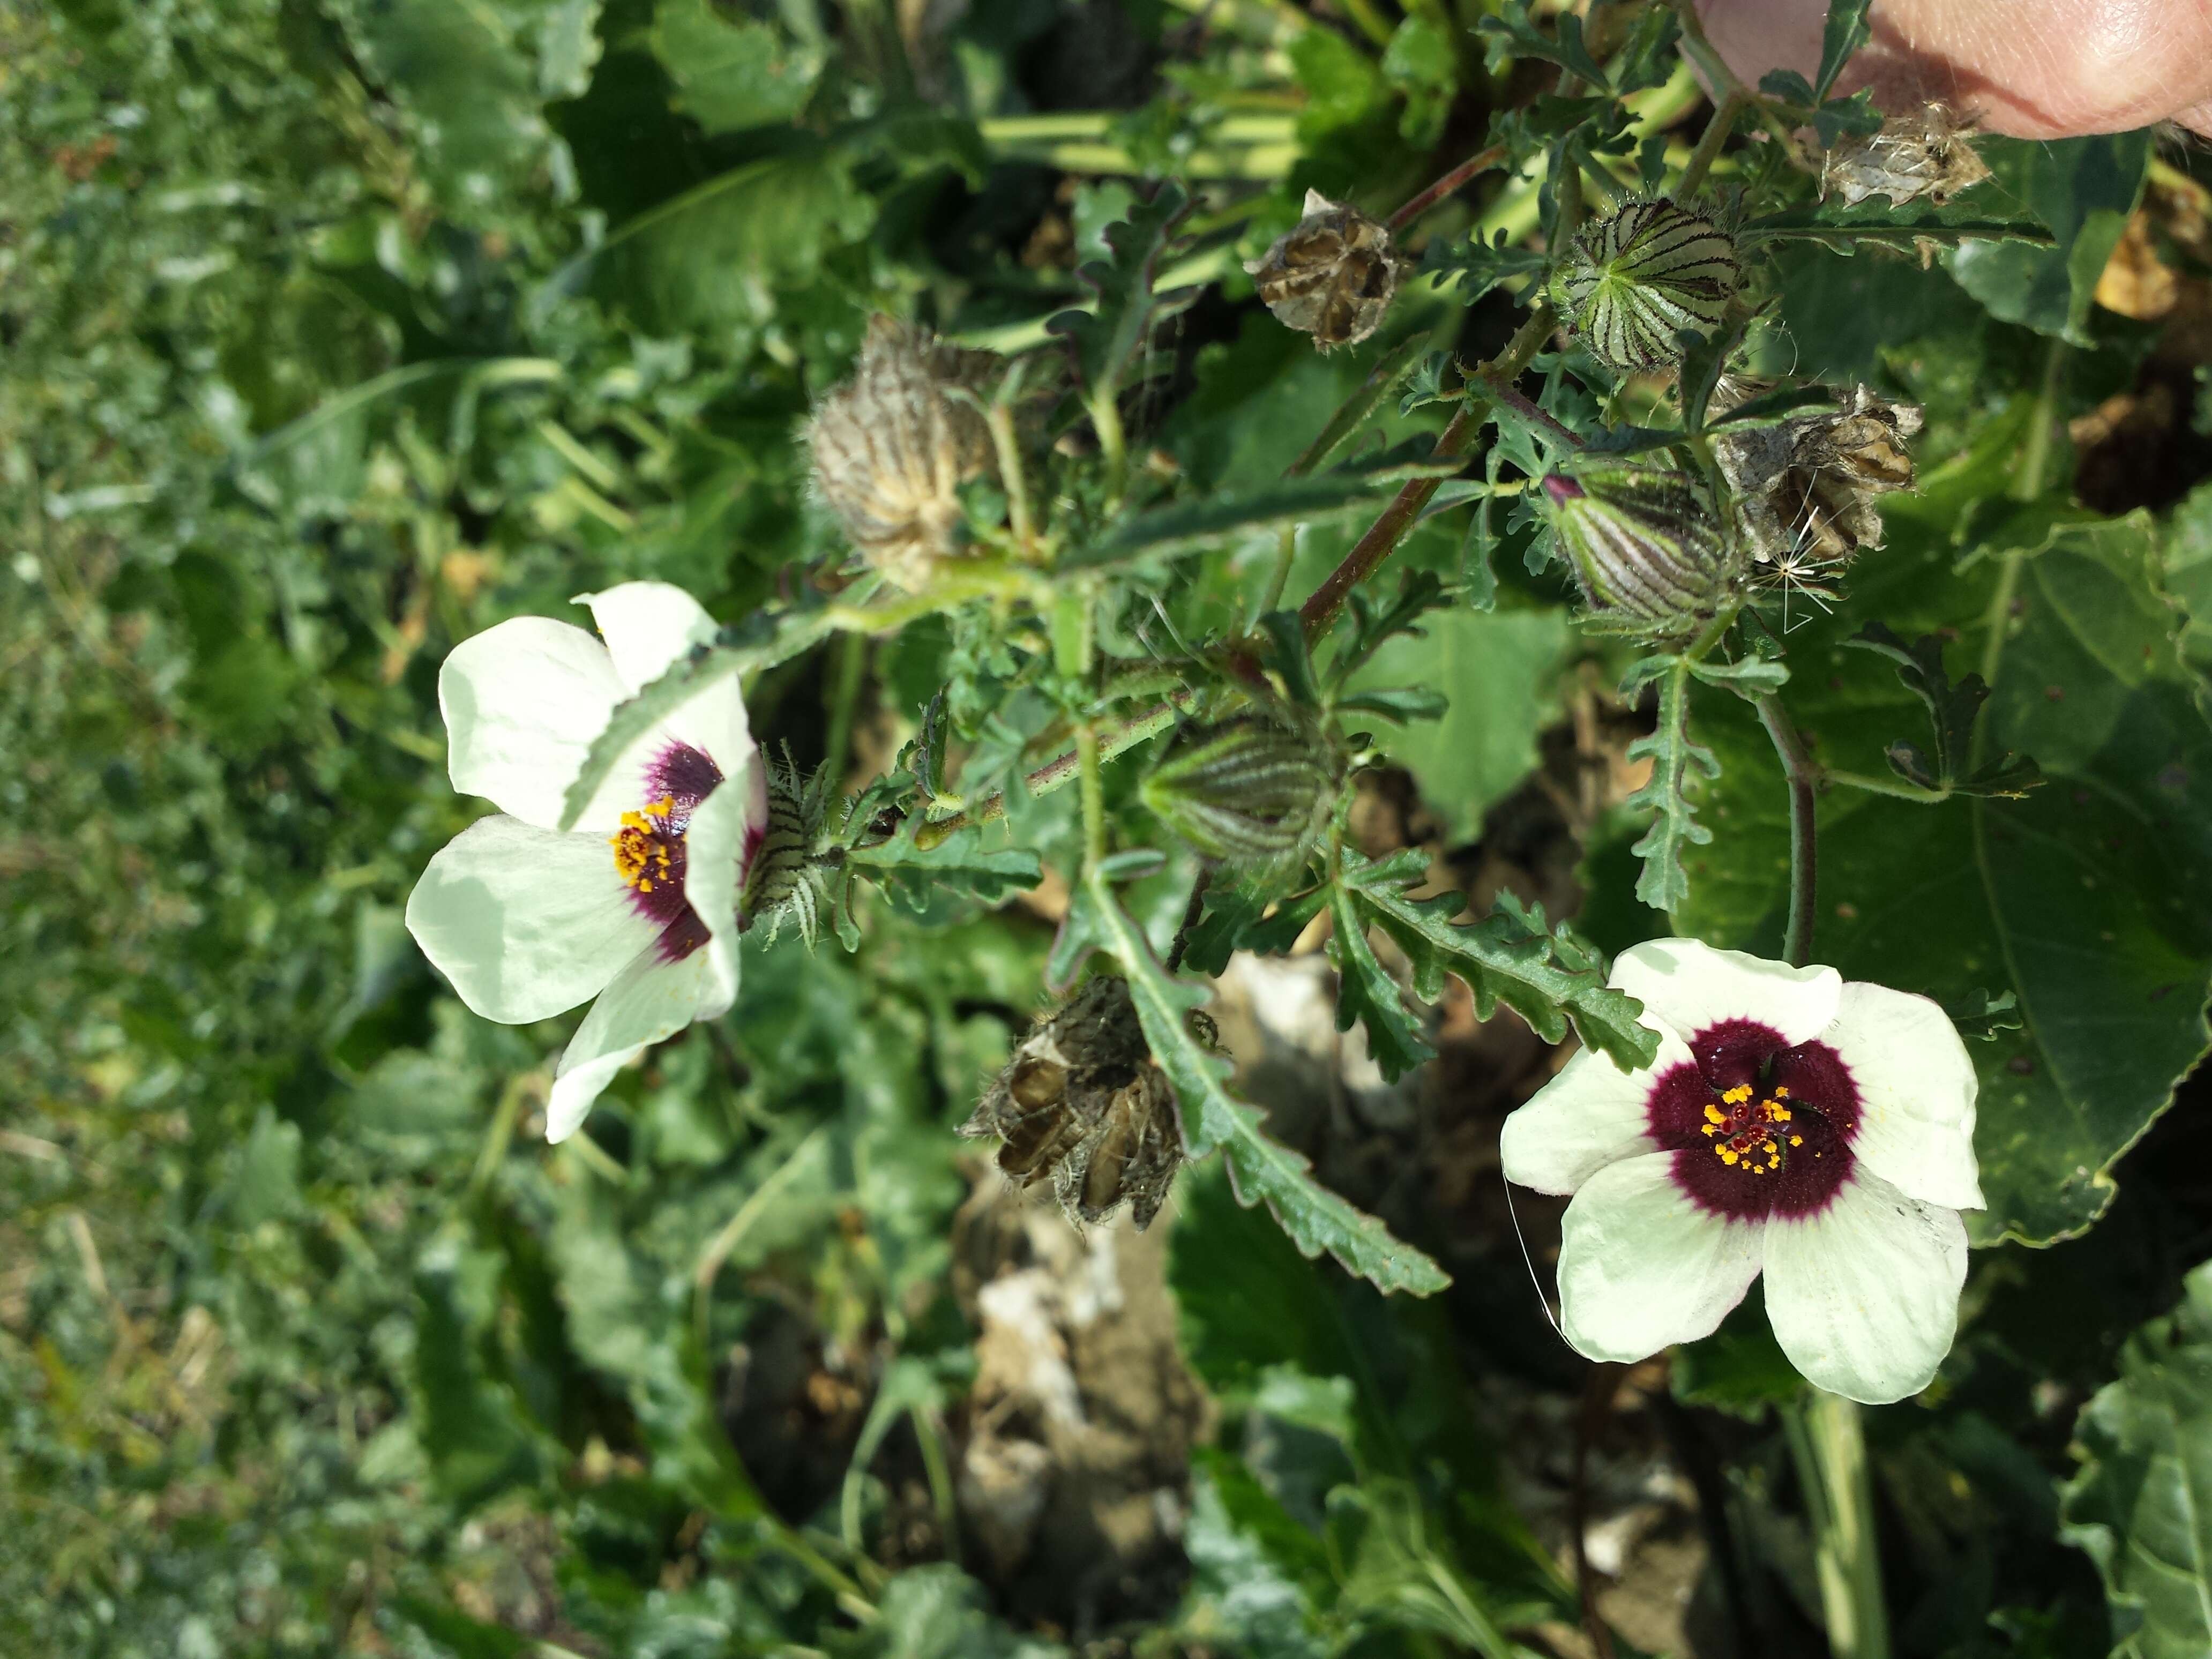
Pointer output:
x,y
1647,545
1804,489
1082,1104
1332,276
893,446
1251,792
1924,152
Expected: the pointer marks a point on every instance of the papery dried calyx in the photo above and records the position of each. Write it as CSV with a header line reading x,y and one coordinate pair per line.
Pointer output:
x,y
1332,276
1924,152
1250,793
1635,277
1646,542
1082,1105
1804,489
893,443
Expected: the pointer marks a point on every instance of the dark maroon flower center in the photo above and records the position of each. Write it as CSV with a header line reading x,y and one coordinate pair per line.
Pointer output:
x,y
1758,1127
650,852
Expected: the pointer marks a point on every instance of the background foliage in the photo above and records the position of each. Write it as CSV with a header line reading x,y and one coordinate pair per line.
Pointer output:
x,y
336,331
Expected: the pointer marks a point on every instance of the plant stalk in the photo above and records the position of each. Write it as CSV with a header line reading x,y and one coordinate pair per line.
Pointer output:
x,y
1383,536
1804,775
1829,1446
1709,145
1480,162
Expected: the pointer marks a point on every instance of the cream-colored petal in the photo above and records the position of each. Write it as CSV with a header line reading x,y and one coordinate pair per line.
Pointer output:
x,y
1864,1295
1642,1265
1693,987
522,701
1591,1115
525,922
649,1001
648,626
1917,1088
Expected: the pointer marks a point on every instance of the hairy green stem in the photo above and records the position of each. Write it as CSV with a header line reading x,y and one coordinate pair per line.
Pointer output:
x,y
1829,1447
1094,795
1059,773
851,668
1804,776
1383,536
1709,145
1896,789
1480,162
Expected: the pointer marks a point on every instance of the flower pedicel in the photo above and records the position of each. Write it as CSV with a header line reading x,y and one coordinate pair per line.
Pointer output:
x,y
1817,1131
638,906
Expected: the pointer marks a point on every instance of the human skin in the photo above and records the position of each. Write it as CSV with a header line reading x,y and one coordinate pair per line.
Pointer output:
x,y
2034,69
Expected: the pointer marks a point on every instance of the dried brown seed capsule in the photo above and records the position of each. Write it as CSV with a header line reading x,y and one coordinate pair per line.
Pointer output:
x,y
1924,152
1082,1104
893,444
1332,276
1804,490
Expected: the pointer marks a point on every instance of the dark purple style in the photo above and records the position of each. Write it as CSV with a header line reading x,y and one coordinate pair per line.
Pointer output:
x,y
1759,1129
650,852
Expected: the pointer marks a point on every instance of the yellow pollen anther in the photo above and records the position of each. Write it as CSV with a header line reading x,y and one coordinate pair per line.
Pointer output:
x,y
1796,1140
1714,1114
1708,1129
1782,1094
1738,1095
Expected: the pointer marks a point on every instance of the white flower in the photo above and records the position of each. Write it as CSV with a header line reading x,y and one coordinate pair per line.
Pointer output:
x,y
1820,1131
637,905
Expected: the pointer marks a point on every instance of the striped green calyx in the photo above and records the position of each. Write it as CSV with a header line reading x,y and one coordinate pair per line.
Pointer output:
x,y
1637,277
1253,792
788,879
1647,548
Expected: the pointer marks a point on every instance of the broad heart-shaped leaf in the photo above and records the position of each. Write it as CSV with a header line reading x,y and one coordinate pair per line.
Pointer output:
x,y
732,71
1260,1168
2083,189
716,257
2137,1506
1105,340
465,78
1512,957
2091,899
961,863
1500,671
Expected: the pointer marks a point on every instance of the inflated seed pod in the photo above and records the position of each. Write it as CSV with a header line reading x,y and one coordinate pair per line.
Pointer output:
x,y
1647,545
1636,277
1249,793
893,443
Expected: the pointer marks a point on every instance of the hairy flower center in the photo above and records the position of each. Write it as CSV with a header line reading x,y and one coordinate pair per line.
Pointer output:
x,y
1759,1127
1751,1137
650,849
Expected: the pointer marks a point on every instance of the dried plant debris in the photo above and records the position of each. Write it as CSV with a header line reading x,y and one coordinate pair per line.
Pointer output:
x,y
893,443
1924,152
1082,1104
1805,490
1331,276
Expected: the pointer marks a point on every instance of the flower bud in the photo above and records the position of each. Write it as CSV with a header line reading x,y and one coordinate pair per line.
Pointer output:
x,y
1638,276
1253,792
1647,546
1332,276
893,446
1924,152
1082,1104
787,879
